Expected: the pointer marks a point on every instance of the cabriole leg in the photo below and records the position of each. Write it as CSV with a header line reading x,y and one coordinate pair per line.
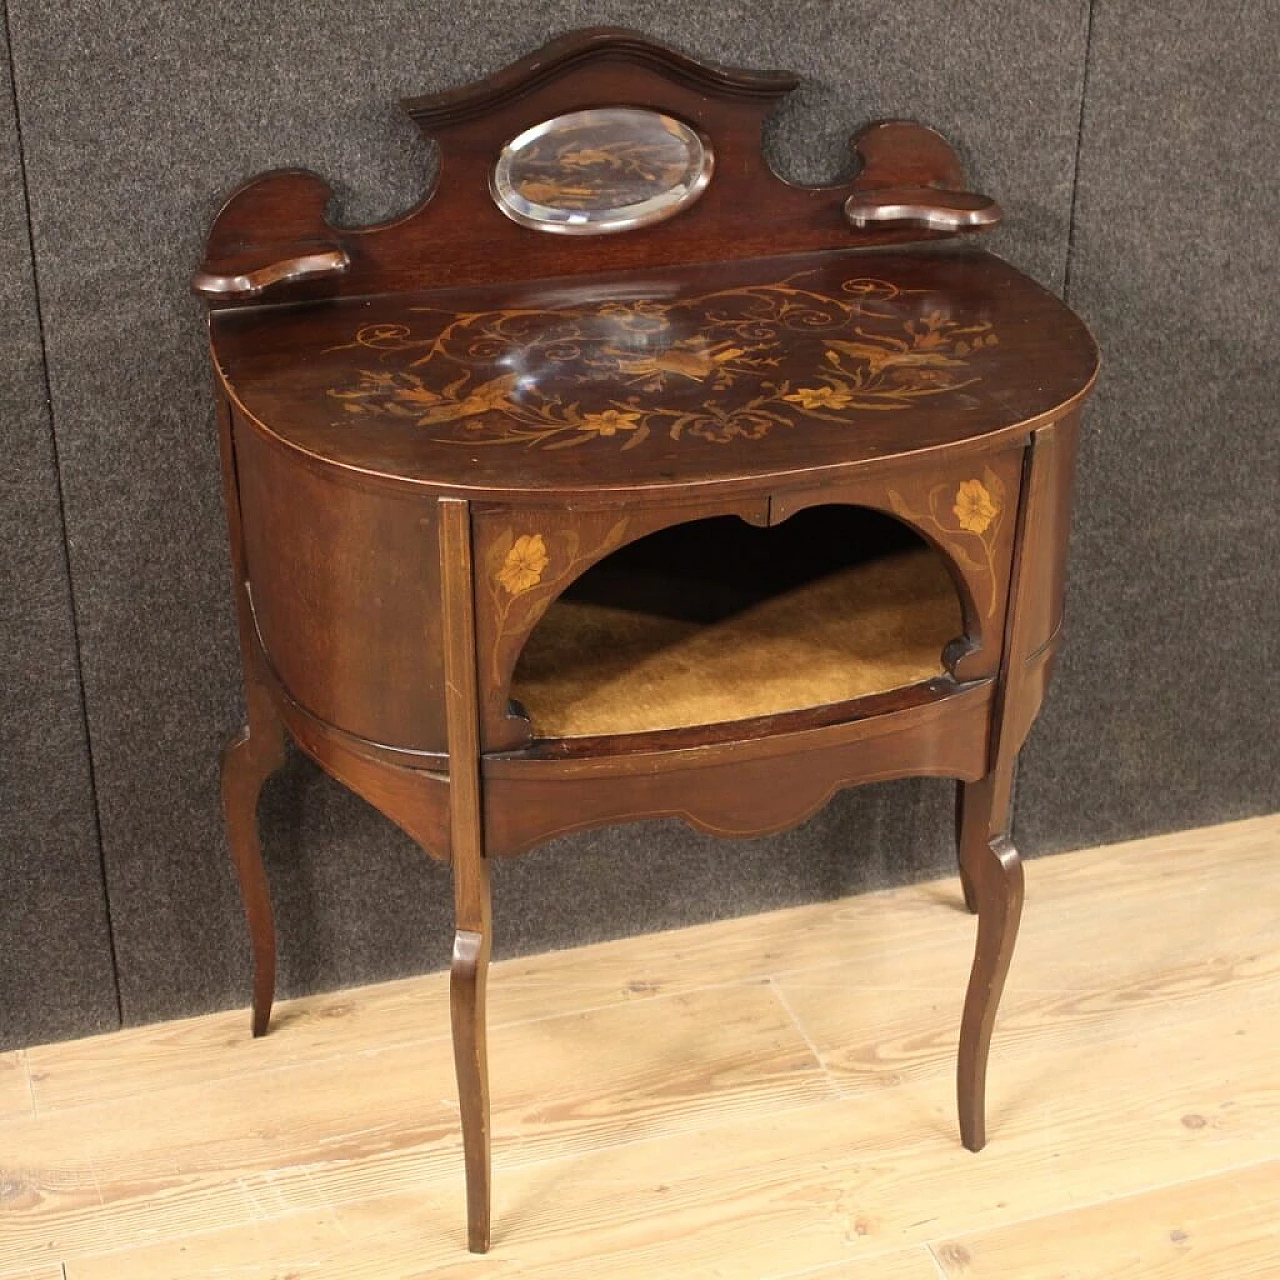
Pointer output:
x,y
991,866
247,762
470,869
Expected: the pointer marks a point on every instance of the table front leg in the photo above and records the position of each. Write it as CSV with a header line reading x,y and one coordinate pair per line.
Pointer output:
x,y
467,984
473,913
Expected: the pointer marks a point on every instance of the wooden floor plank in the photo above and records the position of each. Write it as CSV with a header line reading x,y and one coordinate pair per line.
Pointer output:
x,y
903,1264
659,1109
15,1092
199,1050
869,1036
823,1184
872,934
1225,1227
380,1120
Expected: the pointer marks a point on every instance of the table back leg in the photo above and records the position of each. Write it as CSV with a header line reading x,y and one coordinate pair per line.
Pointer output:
x,y
966,812
247,762
992,871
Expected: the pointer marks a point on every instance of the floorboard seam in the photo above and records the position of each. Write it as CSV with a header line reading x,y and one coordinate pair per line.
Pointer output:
x,y
799,1026
937,1262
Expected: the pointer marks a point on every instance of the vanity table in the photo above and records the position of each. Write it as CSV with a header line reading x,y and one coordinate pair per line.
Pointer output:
x,y
623,479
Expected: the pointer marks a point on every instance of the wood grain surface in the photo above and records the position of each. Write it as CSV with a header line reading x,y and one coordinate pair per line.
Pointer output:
x,y
1220,1226
759,1098
15,1094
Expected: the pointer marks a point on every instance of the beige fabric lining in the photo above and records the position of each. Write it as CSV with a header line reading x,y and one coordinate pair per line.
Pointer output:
x,y
592,669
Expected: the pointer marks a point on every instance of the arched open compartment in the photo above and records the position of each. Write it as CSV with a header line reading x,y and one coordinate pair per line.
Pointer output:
x,y
716,621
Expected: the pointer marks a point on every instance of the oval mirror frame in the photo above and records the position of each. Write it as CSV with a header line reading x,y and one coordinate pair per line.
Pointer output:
x,y
602,170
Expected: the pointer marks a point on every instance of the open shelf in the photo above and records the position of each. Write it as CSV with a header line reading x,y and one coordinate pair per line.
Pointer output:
x,y
717,621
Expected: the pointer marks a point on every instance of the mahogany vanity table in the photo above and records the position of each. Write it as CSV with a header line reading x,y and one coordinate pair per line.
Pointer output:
x,y
622,478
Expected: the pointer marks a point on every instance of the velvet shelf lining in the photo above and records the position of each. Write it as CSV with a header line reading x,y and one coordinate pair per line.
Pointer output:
x,y
591,669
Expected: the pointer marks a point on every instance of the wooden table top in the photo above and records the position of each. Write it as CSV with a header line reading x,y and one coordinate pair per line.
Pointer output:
x,y
683,379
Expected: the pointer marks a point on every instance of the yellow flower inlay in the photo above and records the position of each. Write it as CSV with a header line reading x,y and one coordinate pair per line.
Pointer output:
x,y
975,508
525,563
610,422
820,397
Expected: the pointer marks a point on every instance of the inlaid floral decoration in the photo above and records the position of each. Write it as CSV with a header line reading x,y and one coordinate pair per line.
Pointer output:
x,y
523,565
975,507
525,568
701,368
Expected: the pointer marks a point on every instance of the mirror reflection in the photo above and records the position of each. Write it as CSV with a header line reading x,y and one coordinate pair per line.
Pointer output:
x,y
609,169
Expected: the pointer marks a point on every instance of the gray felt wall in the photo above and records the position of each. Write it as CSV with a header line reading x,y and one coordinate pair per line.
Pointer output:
x,y
132,127
55,951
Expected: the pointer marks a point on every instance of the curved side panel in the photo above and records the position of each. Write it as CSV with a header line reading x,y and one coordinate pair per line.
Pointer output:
x,y
1037,673
416,800
345,584
1049,525
747,792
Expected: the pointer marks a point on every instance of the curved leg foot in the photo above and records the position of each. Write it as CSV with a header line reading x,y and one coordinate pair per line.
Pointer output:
x,y
968,813
467,980
247,762
995,870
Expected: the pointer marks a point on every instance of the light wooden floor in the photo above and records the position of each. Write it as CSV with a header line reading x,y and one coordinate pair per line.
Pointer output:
x,y
759,1098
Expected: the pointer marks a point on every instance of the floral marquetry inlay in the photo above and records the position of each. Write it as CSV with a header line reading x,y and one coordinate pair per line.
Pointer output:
x,y
702,368
977,509
524,568
523,565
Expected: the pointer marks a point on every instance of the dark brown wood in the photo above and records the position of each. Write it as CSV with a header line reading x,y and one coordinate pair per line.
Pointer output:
x,y
413,795
251,757
457,236
474,936
990,868
345,595
966,817
247,762
699,382
462,442
257,279
748,788
922,208
911,178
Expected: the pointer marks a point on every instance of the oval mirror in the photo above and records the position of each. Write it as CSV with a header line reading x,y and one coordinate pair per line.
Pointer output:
x,y
608,169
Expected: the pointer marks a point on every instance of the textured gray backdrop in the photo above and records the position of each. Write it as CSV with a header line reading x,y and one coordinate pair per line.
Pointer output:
x,y
128,132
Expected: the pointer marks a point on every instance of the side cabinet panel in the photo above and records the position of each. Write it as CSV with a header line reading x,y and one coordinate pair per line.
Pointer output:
x,y
1047,537
345,585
